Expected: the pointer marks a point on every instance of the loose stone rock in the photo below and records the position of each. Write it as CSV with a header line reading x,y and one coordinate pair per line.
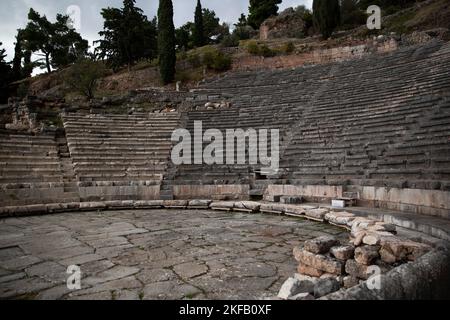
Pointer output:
x,y
366,254
343,253
320,262
326,286
321,244
309,271
316,214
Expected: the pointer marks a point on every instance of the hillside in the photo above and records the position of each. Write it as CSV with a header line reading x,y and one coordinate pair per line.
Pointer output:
x,y
420,23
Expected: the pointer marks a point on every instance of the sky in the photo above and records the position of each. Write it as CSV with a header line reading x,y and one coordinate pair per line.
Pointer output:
x,y
14,13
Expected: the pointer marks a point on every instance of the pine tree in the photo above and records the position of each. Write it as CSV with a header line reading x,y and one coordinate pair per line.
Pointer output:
x,y
166,41
326,14
128,36
58,43
199,31
260,10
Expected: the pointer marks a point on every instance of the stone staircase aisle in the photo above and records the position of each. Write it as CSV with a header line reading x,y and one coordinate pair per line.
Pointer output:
x,y
71,192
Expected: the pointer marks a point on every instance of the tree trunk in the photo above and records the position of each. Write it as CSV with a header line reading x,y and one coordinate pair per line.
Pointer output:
x,y
47,62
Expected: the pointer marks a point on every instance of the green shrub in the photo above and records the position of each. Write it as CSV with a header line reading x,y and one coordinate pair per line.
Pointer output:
x,y
194,60
260,50
230,41
288,48
216,60
253,48
265,51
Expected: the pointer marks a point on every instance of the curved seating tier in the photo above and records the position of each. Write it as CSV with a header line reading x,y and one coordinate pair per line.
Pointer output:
x,y
120,156
379,121
30,169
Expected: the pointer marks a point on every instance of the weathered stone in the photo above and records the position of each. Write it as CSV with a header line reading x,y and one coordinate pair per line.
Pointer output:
x,y
320,262
326,286
276,208
321,244
316,214
356,270
358,238
402,249
190,270
350,281
302,296
247,206
343,253
175,204
149,204
366,254
222,205
340,218
289,288
360,224
199,204
309,271
295,210
291,200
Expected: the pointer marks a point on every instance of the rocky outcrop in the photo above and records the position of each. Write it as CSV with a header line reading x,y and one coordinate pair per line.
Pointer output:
x,y
288,24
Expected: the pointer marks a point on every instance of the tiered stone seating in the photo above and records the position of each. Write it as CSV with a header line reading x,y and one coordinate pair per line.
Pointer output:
x,y
120,156
378,121
360,129
29,169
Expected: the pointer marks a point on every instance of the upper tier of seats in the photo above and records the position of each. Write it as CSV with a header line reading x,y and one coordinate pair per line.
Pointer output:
x,y
381,120
119,147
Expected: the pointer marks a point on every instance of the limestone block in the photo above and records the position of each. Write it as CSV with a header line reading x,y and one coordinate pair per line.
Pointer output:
x,y
309,271
340,218
343,253
222,205
316,214
276,208
291,200
366,254
247,206
326,286
295,210
199,204
321,245
150,204
175,204
402,249
324,263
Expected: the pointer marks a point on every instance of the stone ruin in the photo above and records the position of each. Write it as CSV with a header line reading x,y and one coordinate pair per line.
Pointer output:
x,y
370,134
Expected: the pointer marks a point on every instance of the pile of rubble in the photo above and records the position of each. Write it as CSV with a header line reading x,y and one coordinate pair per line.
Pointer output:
x,y
326,265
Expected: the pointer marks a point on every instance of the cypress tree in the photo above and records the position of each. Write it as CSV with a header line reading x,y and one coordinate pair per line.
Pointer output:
x,y
326,14
199,30
166,41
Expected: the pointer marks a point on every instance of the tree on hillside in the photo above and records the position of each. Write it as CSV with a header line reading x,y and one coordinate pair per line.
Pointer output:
x,y
166,41
58,43
22,66
351,15
83,76
183,36
214,30
242,22
326,15
260,10
128,35
199,31
5,76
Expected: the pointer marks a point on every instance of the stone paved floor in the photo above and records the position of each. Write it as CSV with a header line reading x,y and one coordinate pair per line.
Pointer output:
x,y
159,254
